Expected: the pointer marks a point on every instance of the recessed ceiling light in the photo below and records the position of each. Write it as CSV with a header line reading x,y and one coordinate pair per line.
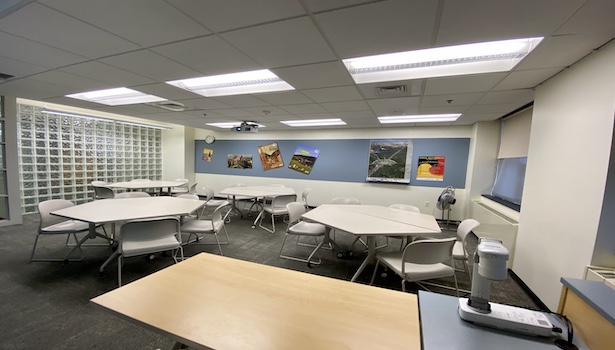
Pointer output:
x,y
231,125
116,97
314,122
251,82
421,118
493,56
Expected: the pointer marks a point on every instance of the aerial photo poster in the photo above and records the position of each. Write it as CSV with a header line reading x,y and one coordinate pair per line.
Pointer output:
x,y
430,168
390,161
239,161
304,158
270,155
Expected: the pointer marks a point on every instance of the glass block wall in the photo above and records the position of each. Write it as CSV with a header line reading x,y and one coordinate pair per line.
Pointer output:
x,y
60,155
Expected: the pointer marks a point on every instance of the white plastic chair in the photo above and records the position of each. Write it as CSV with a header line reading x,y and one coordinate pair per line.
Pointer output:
x,y
143,237
103,192
210,201
304,196
406,207
421,260
277,207
302,228
460,253
347,201
180,189
55,225
201,227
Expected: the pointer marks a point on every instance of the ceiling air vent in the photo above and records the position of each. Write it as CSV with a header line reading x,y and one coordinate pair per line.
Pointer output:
x,y
391,90
169,105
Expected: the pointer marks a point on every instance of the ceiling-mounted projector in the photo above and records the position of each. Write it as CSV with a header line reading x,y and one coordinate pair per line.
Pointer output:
x,y
246,127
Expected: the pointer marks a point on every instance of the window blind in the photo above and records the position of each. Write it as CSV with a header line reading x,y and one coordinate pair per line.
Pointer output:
x,y
515,138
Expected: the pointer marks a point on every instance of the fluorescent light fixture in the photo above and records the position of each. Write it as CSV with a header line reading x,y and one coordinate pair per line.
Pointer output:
x,y
487,57
66,114
159,127
424,118
314,122
231,125
116,97
251,82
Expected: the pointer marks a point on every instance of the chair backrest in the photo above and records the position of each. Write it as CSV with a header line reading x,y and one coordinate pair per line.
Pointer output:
x,y
209,193
345,200
103,192
188,196
193,188
304,196
136,194
98,183
295,210
406,207
281,201
429,251
219,216
147,230
465,227
46,207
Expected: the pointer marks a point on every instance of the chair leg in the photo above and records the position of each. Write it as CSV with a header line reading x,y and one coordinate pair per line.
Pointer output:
x,y
403,285
456,286
119,270
218,242
375,271
309,259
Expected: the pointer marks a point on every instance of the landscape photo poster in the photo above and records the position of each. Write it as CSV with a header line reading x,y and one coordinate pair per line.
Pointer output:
x,y
270,155
239,161
303,159
390,161
430,168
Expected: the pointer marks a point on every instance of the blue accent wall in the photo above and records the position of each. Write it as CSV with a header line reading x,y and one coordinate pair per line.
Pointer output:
x,y
339,160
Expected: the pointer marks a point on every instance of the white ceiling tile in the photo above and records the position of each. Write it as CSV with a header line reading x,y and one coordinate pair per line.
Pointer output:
x,y
18,68
442,110
279,44
589,20
285,98
32,52
348,106
167,91
315,75
326,5
394,106
267,111
151,65
33,89
73,82
304,109
242,101
560,51
501,20
455,100
463,84
158,21
382,27
64,32
513,96
525,79
106,73
235,113
203,103
340,93
209,55
355,115
221,16
500,109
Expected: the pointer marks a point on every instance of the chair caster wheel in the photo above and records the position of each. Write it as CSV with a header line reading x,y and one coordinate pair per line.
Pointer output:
x,y
102,274
151,257
350,253
253,227
309,265
383,275
340,255
65,262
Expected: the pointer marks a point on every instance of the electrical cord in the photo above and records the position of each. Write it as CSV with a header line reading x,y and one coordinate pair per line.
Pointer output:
x,y
561,343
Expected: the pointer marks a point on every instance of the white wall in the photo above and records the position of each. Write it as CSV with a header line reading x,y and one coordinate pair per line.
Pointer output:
x,y
570,143
368,193
178,153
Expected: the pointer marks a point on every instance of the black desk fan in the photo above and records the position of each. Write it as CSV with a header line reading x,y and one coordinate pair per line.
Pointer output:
x,y
445,200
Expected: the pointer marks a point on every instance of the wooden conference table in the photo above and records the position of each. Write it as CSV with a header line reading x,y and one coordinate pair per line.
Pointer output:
x,y
140,185
114,210
214,302
254,192
371,221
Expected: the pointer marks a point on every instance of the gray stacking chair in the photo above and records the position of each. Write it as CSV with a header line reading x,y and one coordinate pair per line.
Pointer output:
x,y
302,228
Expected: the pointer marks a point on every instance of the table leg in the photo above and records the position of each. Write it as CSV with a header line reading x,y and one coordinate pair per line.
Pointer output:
x,y
91,234
371,256
234,207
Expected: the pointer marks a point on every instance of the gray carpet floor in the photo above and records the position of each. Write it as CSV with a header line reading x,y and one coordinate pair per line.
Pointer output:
x,y
47,305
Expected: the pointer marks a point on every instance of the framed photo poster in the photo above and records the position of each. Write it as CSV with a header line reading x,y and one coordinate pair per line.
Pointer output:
x,y
390,161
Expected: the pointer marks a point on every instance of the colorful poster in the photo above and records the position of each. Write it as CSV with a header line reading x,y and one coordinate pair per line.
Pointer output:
x,y
207,153
239,161
430,168
390,161
270,155
304,158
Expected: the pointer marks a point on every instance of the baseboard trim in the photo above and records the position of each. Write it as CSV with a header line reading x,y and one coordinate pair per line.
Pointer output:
x,y
528,291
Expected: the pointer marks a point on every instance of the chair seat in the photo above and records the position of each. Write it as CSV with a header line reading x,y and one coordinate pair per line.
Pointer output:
x,y
307,228
66,227
200,226
133,248
276,211
393,261
215,203
458,251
